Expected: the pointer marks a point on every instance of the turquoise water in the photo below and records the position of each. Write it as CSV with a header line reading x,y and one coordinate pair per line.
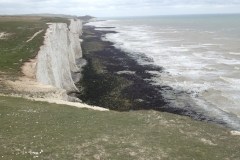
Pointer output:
x,y
200,55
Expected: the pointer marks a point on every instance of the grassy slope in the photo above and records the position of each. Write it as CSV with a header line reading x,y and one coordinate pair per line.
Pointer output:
x,y
64,132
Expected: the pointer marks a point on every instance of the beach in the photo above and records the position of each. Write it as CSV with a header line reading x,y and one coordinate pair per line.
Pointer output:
x,y
198,57
114,80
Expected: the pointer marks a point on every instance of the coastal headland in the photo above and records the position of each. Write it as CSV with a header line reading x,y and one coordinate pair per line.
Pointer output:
x,y
40,118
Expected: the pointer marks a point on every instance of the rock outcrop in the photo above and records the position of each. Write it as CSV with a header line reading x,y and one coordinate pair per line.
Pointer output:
x,y
58,57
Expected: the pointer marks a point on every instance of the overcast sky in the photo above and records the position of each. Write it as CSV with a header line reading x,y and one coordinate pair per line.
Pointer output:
x,y
110,8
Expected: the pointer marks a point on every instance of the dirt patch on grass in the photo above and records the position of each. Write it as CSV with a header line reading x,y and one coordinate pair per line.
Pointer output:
x,y
35,34
235,133
4,35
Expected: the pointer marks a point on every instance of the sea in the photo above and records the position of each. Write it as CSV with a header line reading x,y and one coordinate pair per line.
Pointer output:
x,y
199,54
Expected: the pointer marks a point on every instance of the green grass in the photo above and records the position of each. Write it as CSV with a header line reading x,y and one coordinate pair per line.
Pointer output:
x,y
40,130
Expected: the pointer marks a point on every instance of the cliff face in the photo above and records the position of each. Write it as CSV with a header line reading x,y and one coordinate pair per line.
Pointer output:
x,y
57,58
75,50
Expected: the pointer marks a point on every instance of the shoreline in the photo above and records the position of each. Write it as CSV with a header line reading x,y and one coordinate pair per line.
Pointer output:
x,y
37,123
113,80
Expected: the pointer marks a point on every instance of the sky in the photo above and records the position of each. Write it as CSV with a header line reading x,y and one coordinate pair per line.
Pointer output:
x,y
112,8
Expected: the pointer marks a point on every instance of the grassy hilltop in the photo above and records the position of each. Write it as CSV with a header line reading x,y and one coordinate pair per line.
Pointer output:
x,y
38,130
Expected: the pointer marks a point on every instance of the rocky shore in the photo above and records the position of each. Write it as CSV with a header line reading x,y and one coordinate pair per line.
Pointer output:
x,y
112,79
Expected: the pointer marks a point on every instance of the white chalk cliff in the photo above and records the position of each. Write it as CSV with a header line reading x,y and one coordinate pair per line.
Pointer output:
x,y
51,75
58,57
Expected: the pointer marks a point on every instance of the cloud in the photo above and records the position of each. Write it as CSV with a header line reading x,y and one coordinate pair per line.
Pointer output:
x,y
117,7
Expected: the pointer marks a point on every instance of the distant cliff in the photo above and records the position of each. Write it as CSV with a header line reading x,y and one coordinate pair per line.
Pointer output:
x,y
57,58
86,18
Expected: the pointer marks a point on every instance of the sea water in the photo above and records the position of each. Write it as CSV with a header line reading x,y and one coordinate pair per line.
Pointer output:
x,y
200,55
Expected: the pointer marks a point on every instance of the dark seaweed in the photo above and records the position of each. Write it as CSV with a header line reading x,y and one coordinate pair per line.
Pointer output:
x,y
102,86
